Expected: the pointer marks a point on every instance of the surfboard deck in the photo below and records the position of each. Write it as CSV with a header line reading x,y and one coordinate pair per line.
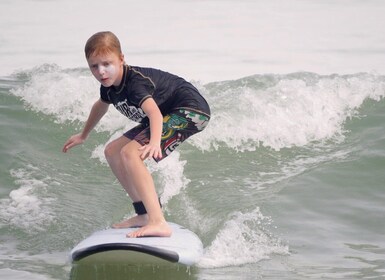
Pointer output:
x,y
112,246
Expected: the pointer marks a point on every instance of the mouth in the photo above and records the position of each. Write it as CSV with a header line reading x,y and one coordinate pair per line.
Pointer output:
x,y
105,81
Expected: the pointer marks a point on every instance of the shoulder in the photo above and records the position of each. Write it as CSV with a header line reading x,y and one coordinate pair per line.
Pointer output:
x,y
141,72
136,71
139,77
152,73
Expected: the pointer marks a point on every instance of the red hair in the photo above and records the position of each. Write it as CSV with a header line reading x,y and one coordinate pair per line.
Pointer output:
x,y
102,43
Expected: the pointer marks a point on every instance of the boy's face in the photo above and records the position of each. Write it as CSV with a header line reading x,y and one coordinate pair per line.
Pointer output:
x,y
107,68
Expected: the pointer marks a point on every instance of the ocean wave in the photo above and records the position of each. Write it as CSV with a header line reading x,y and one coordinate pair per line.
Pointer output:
x,y
274,111
243,239
283,111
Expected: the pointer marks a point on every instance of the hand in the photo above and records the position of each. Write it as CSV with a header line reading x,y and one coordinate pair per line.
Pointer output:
x,y
74,140
151,150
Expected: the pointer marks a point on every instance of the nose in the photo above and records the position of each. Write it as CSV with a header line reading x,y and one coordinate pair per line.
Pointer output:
x,y
101,70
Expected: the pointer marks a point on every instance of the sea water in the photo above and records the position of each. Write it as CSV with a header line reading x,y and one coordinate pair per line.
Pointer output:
x,y
286,182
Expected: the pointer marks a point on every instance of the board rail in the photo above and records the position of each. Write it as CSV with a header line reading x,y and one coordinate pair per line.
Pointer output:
x,y
156,252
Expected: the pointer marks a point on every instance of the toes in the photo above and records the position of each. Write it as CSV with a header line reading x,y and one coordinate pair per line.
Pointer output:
x,y
135,234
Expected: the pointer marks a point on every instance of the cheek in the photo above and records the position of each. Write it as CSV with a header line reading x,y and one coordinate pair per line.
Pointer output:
x,y
110,69
95,73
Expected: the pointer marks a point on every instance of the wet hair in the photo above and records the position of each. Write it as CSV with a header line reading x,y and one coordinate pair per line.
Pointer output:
x,y
102,43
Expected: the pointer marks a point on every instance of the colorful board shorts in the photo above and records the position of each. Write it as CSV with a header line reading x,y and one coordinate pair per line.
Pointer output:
x,y
177,127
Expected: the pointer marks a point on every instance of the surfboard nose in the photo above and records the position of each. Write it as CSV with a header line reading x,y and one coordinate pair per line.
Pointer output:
x,y
112,246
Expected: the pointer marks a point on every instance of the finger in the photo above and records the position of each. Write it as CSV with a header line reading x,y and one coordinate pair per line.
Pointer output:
x,y
67,147
70,145
156,154
151,153
144,153
160,155
67,144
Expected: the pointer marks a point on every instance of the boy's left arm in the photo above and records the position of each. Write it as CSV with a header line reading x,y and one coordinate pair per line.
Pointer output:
x,y
153,113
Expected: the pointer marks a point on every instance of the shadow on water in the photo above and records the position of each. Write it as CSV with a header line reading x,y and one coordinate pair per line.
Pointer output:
x,y
131,272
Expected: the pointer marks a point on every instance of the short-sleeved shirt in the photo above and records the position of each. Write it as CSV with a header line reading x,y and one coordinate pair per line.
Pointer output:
x,y
169,91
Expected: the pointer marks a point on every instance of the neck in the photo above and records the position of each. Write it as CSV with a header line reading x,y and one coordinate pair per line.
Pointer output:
x,y
120,76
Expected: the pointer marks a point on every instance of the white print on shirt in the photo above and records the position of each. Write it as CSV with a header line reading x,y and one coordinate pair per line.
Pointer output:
x,y
133,113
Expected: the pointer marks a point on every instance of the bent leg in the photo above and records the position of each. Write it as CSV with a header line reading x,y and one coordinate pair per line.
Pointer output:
x,y
141,178
113,156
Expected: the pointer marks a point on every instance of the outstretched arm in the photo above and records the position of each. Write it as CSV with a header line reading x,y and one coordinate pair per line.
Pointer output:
x,y
97,112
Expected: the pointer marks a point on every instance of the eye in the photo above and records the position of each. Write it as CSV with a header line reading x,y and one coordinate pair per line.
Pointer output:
x,y
106,64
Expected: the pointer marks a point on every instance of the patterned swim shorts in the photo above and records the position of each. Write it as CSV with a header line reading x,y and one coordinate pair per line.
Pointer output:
x,y
177,127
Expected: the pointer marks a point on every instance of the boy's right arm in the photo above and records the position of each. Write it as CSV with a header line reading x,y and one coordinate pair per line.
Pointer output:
x,y
97,112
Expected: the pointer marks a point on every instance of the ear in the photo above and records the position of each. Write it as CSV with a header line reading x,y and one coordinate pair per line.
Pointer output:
x,y
122,59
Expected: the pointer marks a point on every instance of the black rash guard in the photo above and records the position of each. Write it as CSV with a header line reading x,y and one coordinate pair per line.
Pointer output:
x,y
169,91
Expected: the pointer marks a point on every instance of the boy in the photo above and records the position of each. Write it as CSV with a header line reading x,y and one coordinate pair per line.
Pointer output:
x,y
168,109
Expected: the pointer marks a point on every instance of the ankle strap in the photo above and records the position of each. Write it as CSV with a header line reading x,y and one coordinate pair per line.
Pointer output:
x,y
140,209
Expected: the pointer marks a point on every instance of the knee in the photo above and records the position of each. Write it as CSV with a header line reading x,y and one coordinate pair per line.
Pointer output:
x,y
110,151
128,153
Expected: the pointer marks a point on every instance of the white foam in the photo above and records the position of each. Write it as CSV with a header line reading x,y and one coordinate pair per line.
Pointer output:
x,y
169,174
65,95
292,112
242,240
27,207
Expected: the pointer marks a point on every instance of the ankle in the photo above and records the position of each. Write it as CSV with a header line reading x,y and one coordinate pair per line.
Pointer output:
x,y
157,220
140,209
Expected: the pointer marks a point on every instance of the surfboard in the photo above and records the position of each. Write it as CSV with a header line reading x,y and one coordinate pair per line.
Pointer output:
x,y
112,246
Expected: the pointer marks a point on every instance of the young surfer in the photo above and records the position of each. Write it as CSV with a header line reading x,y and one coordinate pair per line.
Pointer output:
x,y
168,109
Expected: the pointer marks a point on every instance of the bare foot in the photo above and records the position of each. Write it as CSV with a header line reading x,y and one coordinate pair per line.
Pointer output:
x,y
136,221
152,229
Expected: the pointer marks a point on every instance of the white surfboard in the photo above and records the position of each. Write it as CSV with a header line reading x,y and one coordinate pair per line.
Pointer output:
x,y
112,246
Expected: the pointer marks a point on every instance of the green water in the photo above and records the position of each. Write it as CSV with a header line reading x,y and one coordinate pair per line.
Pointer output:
x,y
264,205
